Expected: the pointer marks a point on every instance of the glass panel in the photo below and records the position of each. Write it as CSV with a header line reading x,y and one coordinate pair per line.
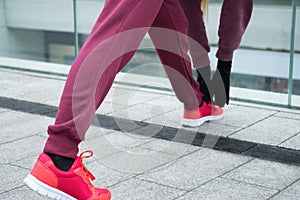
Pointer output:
x,y
261,63
37,30
43,31
88,11
87,14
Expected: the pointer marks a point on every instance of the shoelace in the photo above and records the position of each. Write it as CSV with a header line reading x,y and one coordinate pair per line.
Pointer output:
x,y
81,157
88,175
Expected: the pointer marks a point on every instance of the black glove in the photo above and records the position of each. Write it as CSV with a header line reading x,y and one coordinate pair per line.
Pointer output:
x,y
221,82
204,80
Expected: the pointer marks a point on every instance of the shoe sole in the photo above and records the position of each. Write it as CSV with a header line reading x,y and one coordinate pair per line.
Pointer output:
x,y
45,190
199,122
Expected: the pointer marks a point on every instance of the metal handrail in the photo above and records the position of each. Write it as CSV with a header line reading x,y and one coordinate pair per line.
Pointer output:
x,y
76,47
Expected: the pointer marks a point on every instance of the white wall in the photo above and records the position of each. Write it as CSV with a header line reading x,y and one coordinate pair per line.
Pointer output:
x,y
40,14
2,14
3,30
23,22
19,43
52,15
269,27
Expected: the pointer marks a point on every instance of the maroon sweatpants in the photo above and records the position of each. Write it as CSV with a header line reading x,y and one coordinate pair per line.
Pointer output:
x,y
235,16
113,41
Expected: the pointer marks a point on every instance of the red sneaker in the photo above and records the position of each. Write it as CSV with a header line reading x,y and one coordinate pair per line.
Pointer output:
x,y
197,117
47,180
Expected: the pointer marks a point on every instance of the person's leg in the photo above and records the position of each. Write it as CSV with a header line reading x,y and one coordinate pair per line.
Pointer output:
x,y
235,17
200,48
117,34
171,44
169,38
93,71
196,30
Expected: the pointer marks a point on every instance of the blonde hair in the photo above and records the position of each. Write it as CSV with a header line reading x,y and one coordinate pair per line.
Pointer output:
x,y
204,7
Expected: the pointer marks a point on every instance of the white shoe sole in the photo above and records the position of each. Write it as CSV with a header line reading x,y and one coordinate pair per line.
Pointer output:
x,y
45,190
199,122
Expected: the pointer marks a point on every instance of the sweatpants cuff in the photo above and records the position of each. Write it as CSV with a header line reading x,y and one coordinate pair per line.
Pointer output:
x,y
62,144
225,56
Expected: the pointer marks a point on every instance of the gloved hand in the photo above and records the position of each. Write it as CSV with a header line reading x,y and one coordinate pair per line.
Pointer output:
x,y
221,83
204,80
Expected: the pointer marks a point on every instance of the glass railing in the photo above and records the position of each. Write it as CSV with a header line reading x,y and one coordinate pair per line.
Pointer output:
x,y
296,63
266,67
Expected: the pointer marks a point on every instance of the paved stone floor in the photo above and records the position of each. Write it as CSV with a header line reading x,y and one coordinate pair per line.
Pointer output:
x,y
141,150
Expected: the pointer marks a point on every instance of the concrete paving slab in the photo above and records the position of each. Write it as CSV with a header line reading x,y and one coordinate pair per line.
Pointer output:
x,y
195,169
22,193
148,110
20,149
36,83
115,91
29,78
108,108
166,103
11,117
273,131
170,147
288,115
11,177
133,97
123,141
27,162
48,96
12,91
137,189
292,143
25,85
266,174
139,112
2,110
220,189
290,193
105,175
218,129
173,119
9,74
240,116
21,129
94,131
137,160
100,145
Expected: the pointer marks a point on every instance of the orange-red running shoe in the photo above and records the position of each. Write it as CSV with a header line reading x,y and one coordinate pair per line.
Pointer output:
x,y
204,113
47,180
